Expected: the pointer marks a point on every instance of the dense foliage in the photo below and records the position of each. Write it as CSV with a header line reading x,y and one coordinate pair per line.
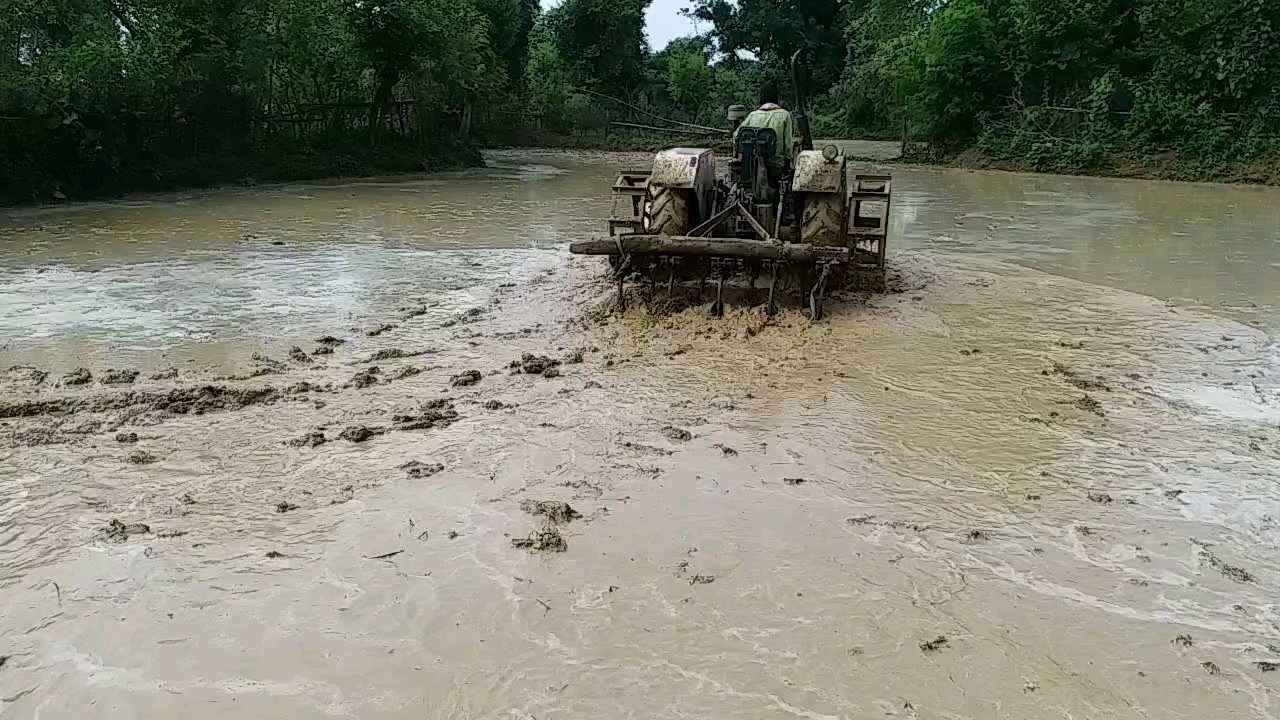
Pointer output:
x,y
105,95
1065,85
1070,84
99,95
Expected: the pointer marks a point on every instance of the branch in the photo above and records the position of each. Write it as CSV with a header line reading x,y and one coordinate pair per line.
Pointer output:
x,y
646,112
668,129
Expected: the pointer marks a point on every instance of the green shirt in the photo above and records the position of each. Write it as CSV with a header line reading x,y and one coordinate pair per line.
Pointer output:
x,y
777,120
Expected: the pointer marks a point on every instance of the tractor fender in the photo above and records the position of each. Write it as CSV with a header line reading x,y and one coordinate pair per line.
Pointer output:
x,y
816,174
687,168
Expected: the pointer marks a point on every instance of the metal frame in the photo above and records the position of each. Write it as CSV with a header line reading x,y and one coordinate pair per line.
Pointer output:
x,y
869,234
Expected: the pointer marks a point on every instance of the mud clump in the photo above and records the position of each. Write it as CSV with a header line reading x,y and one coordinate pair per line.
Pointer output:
x,y
329,341
299,356
554,511
119,377
1090,404
551,372
1229,571
726,450
1073,379
436,413
793,481
935,644
365,378
649,449
322,350
310,440
676,434
180,401
419,470
1099,497
1211,667
39,437
140,457
1184,641
284,506
264,365
495,405
682,571
531,364
1267,666
166,374
573,358
393,354
131,437
31,375
303,387
546,539
375,332
360,433
117,531
407,372
79,376
1088,385
591,384
274,554
466,378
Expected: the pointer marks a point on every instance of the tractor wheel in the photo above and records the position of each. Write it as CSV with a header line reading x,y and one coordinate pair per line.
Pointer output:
x,y
823,222
668,211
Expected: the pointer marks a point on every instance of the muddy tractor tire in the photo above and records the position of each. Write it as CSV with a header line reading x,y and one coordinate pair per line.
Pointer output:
x,y
668,211
824,220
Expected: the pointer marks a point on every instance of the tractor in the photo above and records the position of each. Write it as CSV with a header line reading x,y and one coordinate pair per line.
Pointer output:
x,y
802,221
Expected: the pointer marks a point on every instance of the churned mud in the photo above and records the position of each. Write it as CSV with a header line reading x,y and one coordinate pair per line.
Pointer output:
x,y
989,492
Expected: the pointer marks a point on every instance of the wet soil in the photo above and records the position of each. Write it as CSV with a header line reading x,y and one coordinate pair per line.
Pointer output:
x,y
696,582
677,434
553,511
394,354
531,364
309,440
79,376
418,470
360,433
466,378
546,539
118,531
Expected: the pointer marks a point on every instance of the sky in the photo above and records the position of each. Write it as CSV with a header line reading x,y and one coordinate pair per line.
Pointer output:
x,y
663,21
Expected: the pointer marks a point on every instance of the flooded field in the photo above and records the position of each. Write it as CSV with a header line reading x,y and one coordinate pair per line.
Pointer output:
x,y
389,454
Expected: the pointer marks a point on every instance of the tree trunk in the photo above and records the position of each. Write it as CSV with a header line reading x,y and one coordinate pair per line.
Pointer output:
x,y
387,80
464,127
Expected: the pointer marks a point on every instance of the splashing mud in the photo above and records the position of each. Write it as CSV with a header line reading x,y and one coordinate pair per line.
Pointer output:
x,y
967,535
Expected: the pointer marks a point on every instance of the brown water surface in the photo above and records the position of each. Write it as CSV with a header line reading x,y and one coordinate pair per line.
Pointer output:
x,y
1036,481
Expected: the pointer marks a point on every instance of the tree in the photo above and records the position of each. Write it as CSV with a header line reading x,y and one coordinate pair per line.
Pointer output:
x,y
547,81
774,30
603,42
685,73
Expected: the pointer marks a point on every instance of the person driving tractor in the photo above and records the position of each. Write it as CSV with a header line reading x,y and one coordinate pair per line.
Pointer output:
x,y
773,116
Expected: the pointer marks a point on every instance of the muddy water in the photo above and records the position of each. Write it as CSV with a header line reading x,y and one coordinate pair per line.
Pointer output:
x,y
998,492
